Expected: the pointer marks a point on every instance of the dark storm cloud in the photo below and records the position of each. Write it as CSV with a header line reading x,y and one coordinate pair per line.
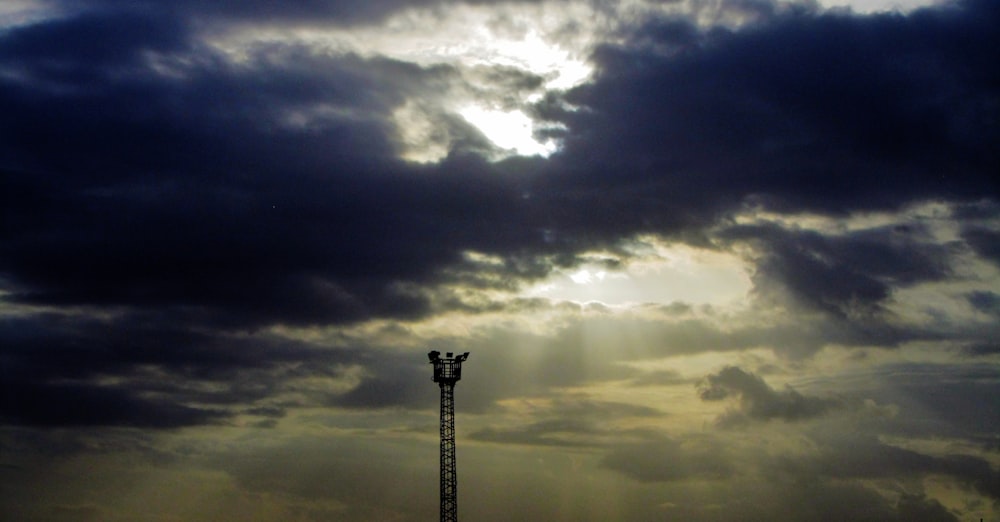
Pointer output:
x,y
237,189
52,346
337,12
827,113
52,365
30,403
171,216
152,122
984,241
758,401
263,193
75,50
141,170
846,275
824,112
327,12
986,302
981,349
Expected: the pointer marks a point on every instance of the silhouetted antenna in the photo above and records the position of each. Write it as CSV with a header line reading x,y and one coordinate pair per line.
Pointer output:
x,y
447,371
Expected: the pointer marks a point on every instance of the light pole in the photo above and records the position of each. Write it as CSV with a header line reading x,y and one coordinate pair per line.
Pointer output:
x,y
447,372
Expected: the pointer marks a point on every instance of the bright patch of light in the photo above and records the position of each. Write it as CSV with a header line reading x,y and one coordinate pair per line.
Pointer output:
x,y
585,276
878,6
420,140
493,50
532,53
660,274
935,216
482,259
549,41
511,130
528,38
15,13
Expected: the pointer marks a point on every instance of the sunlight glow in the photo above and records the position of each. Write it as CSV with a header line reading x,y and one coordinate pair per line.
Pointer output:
x,y
496,53
586,276
421,141
658,273
544,41
511,130
875,6
15,13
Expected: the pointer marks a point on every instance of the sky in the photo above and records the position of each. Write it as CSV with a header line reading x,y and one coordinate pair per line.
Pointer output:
x,y
713,260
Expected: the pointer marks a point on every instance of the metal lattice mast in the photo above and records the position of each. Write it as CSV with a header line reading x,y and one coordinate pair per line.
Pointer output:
x,y
449,472
447,371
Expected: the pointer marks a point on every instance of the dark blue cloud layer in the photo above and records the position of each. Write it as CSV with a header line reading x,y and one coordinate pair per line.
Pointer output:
x,y
141,171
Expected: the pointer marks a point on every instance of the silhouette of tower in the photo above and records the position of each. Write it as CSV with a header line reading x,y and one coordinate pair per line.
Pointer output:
x,y
447,371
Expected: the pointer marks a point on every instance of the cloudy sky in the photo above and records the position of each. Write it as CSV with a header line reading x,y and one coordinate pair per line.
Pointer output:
x,y
713,259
